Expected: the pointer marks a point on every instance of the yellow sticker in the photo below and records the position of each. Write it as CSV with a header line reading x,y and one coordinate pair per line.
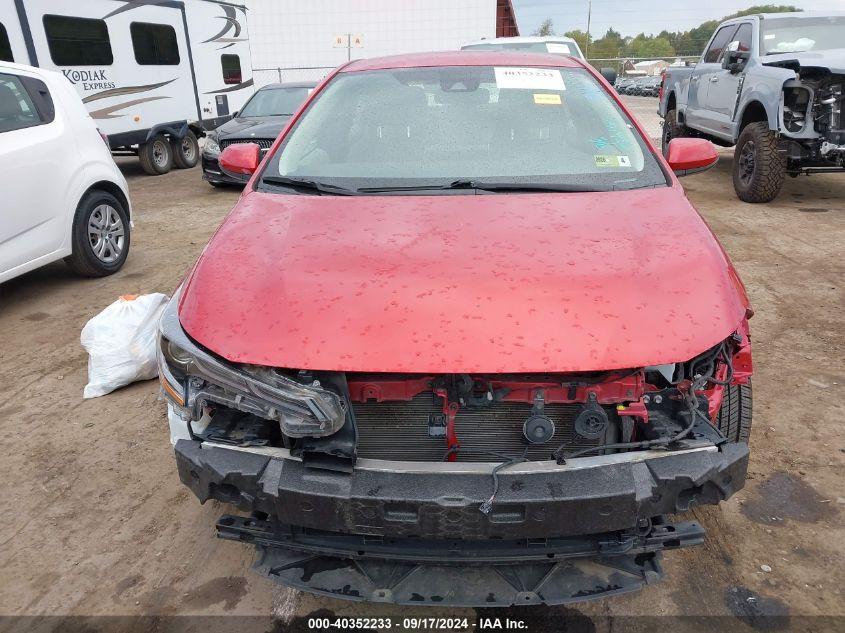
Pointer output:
x,y
606,161
546,99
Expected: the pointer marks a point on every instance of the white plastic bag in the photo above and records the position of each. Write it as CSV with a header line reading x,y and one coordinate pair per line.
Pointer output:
x,y
121,343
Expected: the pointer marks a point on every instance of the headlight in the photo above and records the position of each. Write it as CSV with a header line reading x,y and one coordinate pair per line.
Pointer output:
x,y
211,146
191,378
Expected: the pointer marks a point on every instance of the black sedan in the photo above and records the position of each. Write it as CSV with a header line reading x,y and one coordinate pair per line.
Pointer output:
x,y
259,121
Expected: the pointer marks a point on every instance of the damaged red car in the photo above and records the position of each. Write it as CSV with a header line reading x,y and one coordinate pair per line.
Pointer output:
x,y
463,340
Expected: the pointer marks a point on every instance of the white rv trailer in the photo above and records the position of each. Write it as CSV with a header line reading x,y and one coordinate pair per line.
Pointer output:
x,y
154,74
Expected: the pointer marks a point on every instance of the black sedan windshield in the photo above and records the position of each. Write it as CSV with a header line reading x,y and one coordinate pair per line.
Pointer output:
x,y
275,102
551,127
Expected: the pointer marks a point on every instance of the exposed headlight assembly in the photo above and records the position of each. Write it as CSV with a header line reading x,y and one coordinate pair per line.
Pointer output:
x,y
193,378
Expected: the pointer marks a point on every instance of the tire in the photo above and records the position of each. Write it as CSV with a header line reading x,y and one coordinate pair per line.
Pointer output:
x,y
186,152
156,156
759,169
671,129
734,417
100,235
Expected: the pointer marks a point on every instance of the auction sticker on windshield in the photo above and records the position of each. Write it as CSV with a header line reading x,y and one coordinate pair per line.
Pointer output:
x,y
529,78
603,160
547,99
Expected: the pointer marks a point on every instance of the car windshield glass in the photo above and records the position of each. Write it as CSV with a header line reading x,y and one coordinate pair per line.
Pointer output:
x,y
796,35
414,127
275,102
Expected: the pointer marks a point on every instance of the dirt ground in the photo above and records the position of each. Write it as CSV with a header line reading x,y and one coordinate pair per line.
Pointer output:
x,y
97,522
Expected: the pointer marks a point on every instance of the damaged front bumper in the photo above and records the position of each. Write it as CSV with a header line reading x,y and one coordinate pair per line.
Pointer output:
x,y
413,532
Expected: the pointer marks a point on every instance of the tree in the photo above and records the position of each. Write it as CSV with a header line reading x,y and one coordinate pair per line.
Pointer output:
x,y
546,28
664,44
580,38
610,45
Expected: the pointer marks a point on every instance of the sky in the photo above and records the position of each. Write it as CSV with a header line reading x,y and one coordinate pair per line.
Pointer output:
x,y
631,17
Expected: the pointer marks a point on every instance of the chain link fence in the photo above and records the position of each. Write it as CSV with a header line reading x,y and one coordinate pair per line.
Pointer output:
x,y
623,64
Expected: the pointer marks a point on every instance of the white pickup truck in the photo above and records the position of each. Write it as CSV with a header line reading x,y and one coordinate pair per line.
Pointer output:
x,y
771,84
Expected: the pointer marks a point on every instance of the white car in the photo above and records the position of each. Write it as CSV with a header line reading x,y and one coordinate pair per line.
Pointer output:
x,y
61,194
535,44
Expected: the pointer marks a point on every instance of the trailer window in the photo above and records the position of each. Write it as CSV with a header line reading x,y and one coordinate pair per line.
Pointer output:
x,y
154,44
5,46
78,41
16,108
231,69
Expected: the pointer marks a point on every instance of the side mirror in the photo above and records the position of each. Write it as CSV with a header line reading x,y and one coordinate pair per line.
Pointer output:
x,y
240,159
734,61
609,74
691,155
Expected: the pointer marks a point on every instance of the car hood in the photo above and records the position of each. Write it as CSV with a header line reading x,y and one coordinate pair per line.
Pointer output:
x,y
463,283
249,127
832,60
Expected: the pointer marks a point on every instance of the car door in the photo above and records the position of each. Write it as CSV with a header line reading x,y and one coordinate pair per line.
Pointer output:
x,y
723,87
704,73
33,161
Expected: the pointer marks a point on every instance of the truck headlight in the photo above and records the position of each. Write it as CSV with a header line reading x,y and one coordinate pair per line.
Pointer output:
x,y
192,378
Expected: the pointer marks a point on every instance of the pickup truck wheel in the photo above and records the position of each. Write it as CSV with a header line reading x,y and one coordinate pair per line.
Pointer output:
x,y
186,151
759,168
156,156
671,129
734,417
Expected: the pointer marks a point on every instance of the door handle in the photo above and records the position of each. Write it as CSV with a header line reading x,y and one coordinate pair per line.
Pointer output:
x,y
714,78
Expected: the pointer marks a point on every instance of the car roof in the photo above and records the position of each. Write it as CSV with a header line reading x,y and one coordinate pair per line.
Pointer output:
x,y
526,39
464,58
34,70
290,84
787,14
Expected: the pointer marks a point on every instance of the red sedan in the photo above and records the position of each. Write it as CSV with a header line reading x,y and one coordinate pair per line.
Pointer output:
x,y
462,341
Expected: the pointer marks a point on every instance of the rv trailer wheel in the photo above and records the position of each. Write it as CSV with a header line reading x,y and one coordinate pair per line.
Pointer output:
x,y
156,156
186,152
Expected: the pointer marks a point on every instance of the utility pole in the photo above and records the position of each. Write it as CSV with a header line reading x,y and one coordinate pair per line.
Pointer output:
x,y
589,14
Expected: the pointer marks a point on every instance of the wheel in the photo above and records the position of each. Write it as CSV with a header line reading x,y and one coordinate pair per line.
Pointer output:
x,y
99,236
671,129
734,417
156,156
759,168
186,152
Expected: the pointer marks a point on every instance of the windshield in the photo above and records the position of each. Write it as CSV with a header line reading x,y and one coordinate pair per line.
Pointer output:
x,y
796,35
433,126
275,102
560,48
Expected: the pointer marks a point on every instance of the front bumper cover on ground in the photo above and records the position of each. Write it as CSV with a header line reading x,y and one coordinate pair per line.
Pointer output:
x,y
459,573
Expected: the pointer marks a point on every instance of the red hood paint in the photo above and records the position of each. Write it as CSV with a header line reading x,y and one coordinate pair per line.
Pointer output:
x,y
463,283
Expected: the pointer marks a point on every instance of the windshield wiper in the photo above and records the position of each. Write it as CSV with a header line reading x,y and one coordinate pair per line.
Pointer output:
x,y
482,186
455,184
303,184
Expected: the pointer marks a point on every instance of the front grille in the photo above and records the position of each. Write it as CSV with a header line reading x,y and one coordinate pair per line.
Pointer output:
x,y
263,143
399,430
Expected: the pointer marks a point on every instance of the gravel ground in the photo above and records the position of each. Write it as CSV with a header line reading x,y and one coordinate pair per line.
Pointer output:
x,y
97,522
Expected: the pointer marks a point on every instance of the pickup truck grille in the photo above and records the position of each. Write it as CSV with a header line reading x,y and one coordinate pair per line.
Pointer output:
x,y
399,430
